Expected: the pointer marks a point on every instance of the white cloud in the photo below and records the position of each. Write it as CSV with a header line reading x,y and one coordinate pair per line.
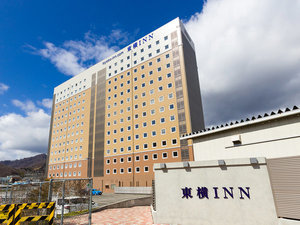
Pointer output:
x,y
248,55
3,88
75,56
27,106
23,136
46,102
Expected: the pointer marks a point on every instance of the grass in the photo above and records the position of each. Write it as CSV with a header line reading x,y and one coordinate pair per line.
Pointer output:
x,y
77,213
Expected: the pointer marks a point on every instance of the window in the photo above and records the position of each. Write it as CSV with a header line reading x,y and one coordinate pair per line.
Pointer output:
x,y
145,146
163,131
153,122
153,133
165,155
167,56
173,129
146,169
162,120
166,46
159,78
108,161
137,169
164,143
162,109
145,135
129,170
129,159
154,144
137,147
137,158
107,171
169,85
174,141
115,171
158,69
150,63
154,156
146,157
114,160
152,111
171,106
166,38
121,170
160,88
121,160
172,118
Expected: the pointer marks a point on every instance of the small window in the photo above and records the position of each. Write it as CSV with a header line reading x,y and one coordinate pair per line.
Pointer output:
x,y
165,155
137,169
129,159
154,156
175,154
137,158
146,169
174,141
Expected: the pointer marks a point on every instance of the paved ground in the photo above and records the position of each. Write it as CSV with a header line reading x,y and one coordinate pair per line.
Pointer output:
x,y
139,215
108,199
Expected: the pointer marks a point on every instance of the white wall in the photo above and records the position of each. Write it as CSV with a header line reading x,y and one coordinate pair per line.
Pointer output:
x,y
271,139
171,208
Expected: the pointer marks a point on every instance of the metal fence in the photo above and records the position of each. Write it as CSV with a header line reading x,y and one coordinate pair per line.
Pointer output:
x,y
72,197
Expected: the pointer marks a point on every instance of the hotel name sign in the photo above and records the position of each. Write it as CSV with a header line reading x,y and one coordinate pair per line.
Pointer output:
x,y
216,193
130,47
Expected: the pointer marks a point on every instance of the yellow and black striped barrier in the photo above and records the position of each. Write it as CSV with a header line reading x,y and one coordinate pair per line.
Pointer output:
x,y
7,213
14,213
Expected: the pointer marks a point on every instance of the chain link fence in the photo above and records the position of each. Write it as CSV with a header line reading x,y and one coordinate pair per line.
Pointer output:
x,y
72,197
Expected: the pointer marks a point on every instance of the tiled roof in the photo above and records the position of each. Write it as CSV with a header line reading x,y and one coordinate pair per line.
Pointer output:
x,y
243,122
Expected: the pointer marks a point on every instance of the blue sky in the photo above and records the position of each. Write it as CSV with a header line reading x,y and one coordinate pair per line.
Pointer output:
x,y
248,55
31,23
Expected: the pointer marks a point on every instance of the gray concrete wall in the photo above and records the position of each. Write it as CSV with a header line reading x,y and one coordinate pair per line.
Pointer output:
x,y
172,208
133,190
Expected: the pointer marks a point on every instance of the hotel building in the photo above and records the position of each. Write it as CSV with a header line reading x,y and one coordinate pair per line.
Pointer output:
x,y
115,119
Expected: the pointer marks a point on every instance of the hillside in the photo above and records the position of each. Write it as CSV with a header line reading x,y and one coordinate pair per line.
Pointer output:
x,y
22,166
7,171
30,162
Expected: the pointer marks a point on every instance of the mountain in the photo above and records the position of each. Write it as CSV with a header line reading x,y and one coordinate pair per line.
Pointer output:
x,y
7,171
34,164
